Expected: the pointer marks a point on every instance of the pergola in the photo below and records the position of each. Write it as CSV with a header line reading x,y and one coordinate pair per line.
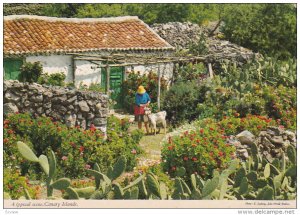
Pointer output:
x,y
124,59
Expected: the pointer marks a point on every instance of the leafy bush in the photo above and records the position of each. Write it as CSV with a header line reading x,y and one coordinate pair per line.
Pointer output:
x,y
30,72
180,102
76,148
232,125
190,72
56,79
92,87
281,104
15,185
199,152
130,85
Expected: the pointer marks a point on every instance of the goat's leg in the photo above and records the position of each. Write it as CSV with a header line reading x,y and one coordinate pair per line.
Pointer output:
x,y
154,126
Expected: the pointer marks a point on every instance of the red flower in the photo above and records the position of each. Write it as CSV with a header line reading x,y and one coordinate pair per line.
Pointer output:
x,y
259,127
6,122
194,159
10,131
185,158
201,131
5,140
81,149
194,145
170,147
198,141
6,126
133,151
221,153
211,129
92,128
211,154
173,168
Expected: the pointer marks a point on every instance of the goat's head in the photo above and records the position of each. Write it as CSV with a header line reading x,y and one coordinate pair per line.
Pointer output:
x,y
147,111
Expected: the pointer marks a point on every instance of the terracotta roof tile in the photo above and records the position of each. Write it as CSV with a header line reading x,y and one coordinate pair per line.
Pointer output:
x,y
42,34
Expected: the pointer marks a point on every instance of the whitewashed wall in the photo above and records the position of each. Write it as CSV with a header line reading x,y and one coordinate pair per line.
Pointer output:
x,y
86,73
55,64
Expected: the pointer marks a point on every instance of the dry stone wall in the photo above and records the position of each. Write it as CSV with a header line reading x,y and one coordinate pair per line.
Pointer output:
x,y
181,35
70,105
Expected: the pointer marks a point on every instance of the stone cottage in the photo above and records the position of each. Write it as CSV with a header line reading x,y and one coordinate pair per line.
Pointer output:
x,y
53,42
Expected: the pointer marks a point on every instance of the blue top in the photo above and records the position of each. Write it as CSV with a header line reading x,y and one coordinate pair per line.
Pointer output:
x,y
142,98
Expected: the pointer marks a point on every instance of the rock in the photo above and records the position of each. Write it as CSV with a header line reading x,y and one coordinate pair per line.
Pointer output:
x,y
90,116
72,99
245,137
11,97
83,106
98,106
277,140
99,121
39,111
290,135
10,108
37,98
275,130
70,120
59,100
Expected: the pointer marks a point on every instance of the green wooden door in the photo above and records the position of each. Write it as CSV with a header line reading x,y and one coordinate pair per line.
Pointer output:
x,y
12,68
115,83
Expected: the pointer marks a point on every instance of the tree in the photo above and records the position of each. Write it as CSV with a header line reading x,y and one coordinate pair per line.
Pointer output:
x,y
266,28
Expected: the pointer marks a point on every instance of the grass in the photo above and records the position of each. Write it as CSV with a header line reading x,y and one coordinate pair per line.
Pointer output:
x,y
150,143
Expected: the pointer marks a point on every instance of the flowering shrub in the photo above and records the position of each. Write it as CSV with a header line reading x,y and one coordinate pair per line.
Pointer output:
x,y
14,185
149,81
200,152
252,123
204,149
76,149
281,104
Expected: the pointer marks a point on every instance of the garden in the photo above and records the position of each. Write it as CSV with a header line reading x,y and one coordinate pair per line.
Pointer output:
x,y
230,137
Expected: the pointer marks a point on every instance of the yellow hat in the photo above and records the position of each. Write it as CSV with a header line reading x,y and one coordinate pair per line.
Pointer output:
x,y
141,90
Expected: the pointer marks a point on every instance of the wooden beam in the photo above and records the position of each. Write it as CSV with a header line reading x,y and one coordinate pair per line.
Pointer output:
x,y
158,91
211,72
73,69
107,80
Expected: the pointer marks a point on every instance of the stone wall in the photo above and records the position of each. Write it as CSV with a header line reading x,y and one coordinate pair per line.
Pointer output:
x,y
181,35
72,106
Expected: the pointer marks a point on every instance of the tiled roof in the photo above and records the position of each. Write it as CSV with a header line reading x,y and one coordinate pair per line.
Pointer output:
x,y
25,34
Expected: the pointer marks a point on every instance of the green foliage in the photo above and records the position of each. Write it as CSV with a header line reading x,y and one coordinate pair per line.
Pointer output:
x,y
30,72
73,146
60,184
199,48
199,152
189,72
15,185
180,102
92,87
265,28
133,81
56,79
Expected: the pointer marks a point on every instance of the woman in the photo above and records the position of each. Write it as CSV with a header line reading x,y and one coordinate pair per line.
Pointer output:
x,y
142,100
